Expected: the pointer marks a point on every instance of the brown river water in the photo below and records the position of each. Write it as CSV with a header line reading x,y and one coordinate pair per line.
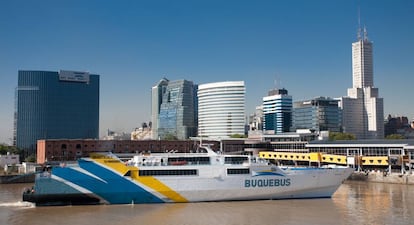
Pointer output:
x,y
354,203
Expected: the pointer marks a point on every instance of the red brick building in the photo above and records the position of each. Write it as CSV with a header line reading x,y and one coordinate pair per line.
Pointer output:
x,y
72,149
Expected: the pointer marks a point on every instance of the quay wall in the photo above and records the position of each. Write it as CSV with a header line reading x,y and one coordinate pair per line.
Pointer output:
x,y
379,177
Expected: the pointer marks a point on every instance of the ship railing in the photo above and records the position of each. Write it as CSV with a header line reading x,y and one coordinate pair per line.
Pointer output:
x,y
44,174
258,160
103,155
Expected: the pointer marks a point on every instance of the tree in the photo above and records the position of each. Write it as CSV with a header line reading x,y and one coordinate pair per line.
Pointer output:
x,y
30,158
4,149
238,136
170,137
336,136
395,136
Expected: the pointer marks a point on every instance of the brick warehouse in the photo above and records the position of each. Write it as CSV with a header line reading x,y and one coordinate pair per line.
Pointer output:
x,y
57,150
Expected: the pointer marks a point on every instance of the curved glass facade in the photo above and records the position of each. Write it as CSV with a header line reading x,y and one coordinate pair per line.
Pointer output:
x,y
53,105
221,109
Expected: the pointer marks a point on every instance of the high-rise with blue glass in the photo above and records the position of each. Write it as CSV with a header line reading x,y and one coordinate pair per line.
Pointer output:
x,y
277,112
53,105
174,109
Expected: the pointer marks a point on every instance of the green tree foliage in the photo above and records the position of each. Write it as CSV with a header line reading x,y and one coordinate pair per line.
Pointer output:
x,y
336,136
238,136
170,137
6,148
30,158
395,136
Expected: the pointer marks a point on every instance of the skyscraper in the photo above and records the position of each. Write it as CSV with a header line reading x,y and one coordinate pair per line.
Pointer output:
x,y
156,99
221,108
174,109
52,105
277,112
363,109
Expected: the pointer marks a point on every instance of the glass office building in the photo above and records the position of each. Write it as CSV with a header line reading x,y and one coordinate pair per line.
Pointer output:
x,y
318,114
174,109
221,109
54,105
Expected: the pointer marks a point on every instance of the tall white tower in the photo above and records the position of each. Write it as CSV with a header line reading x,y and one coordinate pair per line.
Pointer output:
x,y
363,109
362,68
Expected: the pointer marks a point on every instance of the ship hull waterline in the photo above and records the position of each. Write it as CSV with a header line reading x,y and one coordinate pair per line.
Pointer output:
x,y
78,186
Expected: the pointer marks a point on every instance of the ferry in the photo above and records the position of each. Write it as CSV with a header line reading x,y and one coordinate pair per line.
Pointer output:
x,y
180,177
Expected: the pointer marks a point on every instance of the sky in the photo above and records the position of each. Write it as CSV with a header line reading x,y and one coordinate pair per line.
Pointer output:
x,y
301,45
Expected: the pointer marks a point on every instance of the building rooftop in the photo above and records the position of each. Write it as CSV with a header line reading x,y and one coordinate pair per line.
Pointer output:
x,y
364,142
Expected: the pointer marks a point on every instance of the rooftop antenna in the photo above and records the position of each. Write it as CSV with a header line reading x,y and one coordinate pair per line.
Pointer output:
x,y
277,82
359,32
365,34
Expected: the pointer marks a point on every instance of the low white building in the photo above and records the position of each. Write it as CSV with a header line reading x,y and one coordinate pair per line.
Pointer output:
x,y
141,134
9,159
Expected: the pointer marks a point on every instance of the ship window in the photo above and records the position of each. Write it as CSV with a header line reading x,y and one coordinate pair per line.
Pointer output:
x,y
189,160
238,171
235,160
168,172
128,173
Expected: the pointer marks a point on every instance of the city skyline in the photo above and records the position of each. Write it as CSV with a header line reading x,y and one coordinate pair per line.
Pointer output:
x,y
303,46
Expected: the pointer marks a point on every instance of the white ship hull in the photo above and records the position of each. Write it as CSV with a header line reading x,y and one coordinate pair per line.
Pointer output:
x,y
168,178
302,183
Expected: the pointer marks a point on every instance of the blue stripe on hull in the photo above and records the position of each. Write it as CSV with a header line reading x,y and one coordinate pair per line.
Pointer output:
x,y
117,190
47,185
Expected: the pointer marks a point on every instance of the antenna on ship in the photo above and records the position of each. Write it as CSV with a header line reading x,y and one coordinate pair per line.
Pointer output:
x,y
201,138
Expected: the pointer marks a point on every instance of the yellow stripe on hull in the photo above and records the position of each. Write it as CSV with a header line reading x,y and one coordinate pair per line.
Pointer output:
x,y
161,188
148,181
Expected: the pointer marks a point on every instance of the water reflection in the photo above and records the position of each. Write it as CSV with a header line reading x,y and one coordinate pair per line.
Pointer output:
x,y
375,203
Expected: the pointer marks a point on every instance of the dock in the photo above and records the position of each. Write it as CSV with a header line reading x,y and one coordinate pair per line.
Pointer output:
x,y
17,178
